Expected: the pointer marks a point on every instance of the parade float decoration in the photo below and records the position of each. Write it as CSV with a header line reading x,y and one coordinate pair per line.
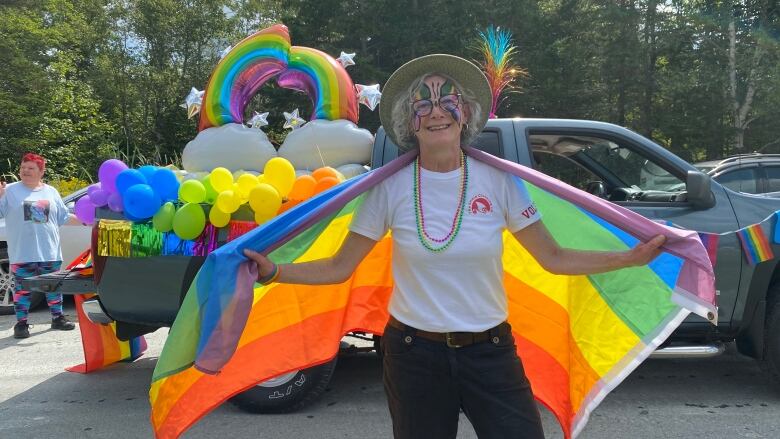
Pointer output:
x,y
233,178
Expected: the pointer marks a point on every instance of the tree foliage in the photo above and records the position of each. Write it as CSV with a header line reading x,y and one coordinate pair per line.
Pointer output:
x,y
83,80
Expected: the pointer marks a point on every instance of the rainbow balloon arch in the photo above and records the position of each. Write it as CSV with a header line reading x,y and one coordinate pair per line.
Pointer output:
x,y
153,211
268,54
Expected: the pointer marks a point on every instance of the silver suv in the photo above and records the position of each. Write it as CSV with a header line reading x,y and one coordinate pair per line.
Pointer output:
x,y
753,173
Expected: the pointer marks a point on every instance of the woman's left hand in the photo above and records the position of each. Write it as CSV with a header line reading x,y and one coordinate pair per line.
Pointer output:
x,y
645,252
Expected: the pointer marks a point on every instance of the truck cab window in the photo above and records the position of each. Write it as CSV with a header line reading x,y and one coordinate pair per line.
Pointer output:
x,y
604,167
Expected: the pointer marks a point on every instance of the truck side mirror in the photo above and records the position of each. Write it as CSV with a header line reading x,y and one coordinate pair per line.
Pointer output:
x,y
699,187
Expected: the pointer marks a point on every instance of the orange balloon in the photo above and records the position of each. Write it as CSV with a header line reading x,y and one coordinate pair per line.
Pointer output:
x,y
303,188
325,171
325,183
288,205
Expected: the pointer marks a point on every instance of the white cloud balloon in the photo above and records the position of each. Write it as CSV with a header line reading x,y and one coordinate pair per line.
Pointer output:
x,y
327,143
351,170
233,146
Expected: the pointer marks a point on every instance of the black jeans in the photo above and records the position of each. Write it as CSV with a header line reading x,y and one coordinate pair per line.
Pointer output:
x,y
428,383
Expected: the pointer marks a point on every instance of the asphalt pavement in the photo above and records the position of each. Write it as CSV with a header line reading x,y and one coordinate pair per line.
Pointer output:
x,y
724,397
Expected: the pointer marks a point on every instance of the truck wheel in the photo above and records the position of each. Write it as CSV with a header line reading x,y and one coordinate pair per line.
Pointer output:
x,y
6,285
287,393
771,362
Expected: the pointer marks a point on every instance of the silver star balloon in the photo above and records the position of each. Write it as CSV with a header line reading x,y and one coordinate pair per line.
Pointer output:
x,y
225,52
292,120
368,95
192,102
258,120
346,59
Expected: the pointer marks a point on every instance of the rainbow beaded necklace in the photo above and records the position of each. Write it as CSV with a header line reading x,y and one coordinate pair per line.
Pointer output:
x,y
426,240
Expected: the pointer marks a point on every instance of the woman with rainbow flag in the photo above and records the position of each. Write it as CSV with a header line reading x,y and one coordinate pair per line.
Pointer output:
x,y
447,346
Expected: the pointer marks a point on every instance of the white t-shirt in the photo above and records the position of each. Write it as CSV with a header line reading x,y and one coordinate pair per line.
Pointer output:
x,y
32,221
460,288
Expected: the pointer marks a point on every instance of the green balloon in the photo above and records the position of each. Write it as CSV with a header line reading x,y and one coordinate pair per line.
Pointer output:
x,y
211,193
192,191
163,219
189,221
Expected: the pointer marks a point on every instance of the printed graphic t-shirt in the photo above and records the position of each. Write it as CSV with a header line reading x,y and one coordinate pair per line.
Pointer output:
x,y
460,288
32,220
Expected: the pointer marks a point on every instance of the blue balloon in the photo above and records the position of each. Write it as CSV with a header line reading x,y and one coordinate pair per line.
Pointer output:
x,y
148,171
128,178
165,183
141,202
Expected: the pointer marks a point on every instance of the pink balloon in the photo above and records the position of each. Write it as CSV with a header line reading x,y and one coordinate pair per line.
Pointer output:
x,y
115,202
108,172
85,210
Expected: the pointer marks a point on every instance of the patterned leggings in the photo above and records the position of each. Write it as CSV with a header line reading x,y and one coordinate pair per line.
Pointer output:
x,y
22,297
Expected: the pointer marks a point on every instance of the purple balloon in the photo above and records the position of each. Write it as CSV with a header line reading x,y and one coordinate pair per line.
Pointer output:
x,y
141,202
99,197
108,172
92,188
115,202
129,178
85,210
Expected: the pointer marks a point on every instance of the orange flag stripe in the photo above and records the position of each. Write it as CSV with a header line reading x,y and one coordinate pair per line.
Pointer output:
x,y
285,343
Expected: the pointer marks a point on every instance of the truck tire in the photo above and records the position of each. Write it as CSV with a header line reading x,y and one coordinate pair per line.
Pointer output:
x,y
6,284
771,361
287,393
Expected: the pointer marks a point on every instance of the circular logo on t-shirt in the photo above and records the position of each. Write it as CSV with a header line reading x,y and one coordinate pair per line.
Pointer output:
x,y
480,204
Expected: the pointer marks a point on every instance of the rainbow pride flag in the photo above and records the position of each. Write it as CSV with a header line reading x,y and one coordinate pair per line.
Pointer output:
x,y
755,244
100,344
579,336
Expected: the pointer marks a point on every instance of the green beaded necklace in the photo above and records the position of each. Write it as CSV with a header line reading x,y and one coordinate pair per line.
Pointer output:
x,y
425,239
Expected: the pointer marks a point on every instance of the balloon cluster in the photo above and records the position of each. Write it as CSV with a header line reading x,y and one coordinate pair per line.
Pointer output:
x,y
137,193
156,193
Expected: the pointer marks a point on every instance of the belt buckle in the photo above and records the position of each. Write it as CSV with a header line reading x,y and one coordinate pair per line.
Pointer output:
x,y
450,344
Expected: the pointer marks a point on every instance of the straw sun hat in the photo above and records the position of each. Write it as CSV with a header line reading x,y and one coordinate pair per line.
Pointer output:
x,y
468,75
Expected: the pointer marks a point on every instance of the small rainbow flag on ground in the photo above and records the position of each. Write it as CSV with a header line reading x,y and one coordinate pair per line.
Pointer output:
x,y
578,336
755,245
101,347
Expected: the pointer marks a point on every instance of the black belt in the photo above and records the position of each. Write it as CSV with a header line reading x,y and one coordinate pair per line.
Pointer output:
x,y
455,339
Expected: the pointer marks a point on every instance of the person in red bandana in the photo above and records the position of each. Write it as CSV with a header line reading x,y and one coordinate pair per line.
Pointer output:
x,y
33,213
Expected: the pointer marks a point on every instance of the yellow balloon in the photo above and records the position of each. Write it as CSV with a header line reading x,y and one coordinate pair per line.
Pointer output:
x,y
246,182
261,179
260,218
265,200
280,173
227,201
221,179
218,218
241,196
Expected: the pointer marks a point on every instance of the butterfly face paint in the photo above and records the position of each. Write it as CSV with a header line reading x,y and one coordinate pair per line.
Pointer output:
x,y
435,92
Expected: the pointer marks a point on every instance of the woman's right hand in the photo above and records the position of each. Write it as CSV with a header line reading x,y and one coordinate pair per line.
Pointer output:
x,y
2,189
264,265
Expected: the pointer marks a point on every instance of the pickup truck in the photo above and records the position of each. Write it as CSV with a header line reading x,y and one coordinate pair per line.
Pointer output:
x,y
144,294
